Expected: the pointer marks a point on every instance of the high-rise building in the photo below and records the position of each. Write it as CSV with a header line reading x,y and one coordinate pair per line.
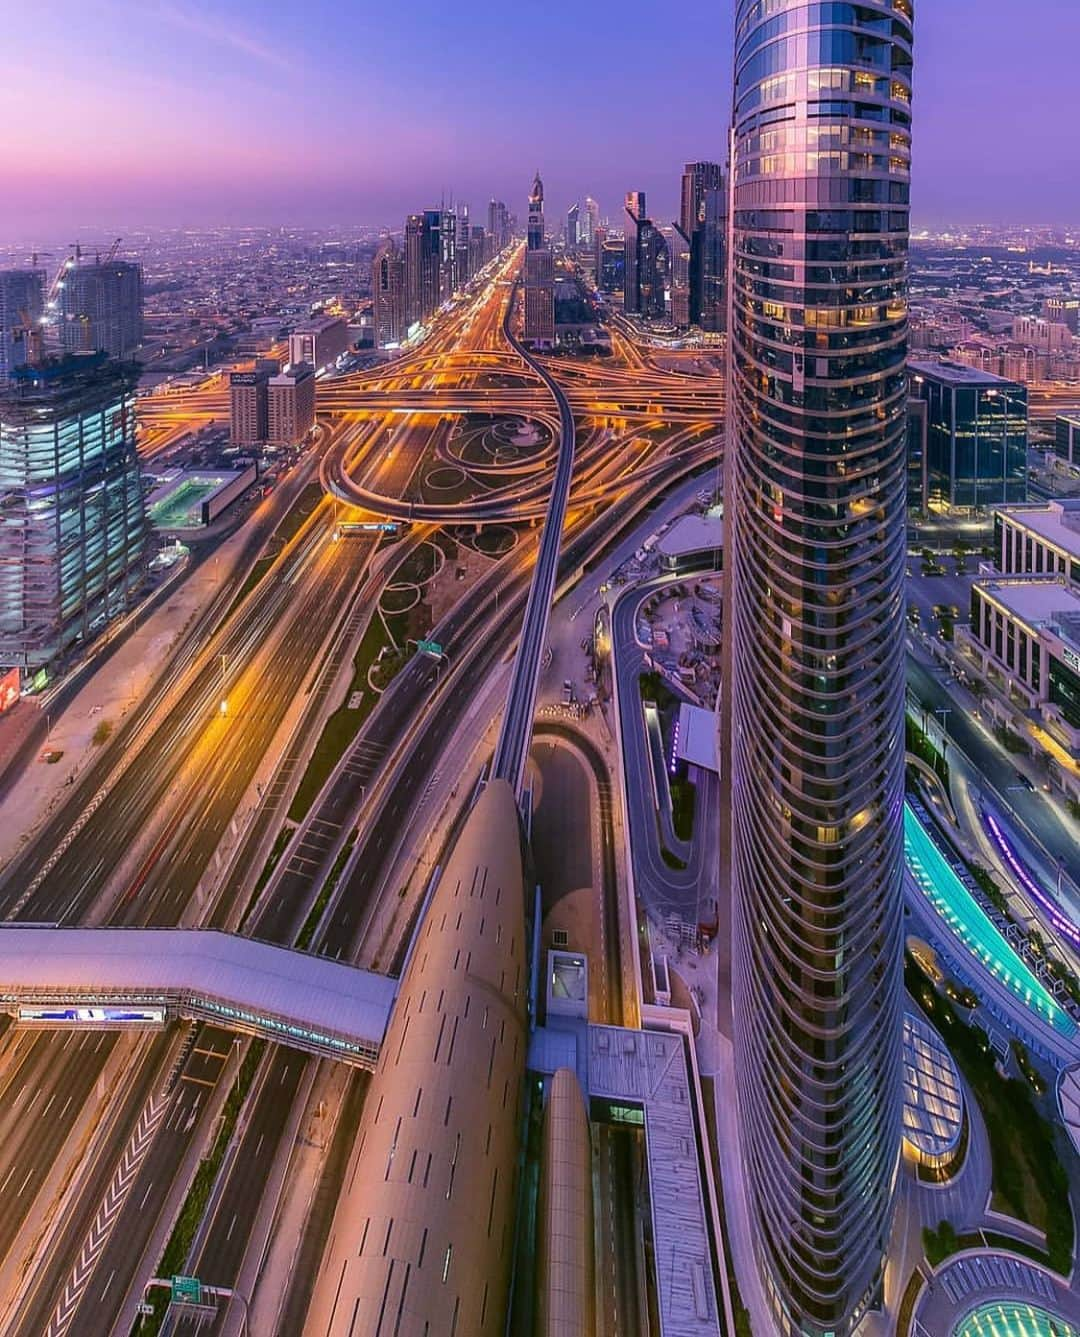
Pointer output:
x,y
573,227
635,212
976,436
388,295
290,405
814,642
101,308
539,274
249,403
21,304
681,249
1067,438
703,220
320,341
414,264
612,265
72,520
499,223
590,220
431,263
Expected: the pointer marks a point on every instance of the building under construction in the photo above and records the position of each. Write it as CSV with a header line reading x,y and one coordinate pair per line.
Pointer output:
x,y
72,520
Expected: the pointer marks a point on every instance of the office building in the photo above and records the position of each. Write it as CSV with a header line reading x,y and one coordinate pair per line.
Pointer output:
x,y
249,410
703,221
21,304
101,308
573,227
814,644
388,295
1039,540
431,263
414,250
539,274
647,264
681,275
290,405
976,436
590,221
499,224
319,342
634,207
1024,640
918,488
1067,439
611,264
72,522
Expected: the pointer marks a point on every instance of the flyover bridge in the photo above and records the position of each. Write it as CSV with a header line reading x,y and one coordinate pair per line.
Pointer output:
x,y
112,978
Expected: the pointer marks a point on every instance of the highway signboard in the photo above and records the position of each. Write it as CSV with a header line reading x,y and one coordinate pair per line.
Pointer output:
x,y
186,1290
430,648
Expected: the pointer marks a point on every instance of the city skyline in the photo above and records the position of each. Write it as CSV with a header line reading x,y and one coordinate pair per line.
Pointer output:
x,y
193,96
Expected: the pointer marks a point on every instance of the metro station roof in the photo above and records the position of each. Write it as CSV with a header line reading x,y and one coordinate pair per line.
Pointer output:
x,y
309,1001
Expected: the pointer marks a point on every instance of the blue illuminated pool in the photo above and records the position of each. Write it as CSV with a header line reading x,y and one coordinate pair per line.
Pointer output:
x,y
970,924
1012,1318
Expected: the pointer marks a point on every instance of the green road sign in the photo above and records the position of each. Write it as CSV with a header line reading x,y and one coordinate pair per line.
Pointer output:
x,y
186,1290
430,648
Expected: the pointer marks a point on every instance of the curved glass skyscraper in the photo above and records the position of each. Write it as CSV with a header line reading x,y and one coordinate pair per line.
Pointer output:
x,y
815,509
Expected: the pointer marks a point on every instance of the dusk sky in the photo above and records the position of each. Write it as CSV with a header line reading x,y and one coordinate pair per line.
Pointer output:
x,y
130,112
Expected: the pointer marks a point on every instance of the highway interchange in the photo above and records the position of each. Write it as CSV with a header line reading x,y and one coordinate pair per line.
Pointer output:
x,y
140,840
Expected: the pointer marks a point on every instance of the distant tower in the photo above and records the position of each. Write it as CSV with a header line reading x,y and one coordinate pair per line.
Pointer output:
x,y
703,221
101,308
573,227
388,295
591,220
635,212
535,235
813,720
539,275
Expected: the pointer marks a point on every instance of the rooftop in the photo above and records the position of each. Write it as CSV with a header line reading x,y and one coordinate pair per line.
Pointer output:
x,y
1034,600
933,1096
957,373
1058,523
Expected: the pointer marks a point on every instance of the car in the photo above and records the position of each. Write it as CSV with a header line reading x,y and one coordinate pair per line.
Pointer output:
x,y
567,692
1022,779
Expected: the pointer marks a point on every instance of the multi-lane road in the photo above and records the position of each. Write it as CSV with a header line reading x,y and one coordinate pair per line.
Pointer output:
x,y
151,825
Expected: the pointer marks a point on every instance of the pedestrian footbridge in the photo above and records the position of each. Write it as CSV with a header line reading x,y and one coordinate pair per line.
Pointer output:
x,y
119,978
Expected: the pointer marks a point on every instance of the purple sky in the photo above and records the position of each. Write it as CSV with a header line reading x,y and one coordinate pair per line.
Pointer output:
x,y
155,112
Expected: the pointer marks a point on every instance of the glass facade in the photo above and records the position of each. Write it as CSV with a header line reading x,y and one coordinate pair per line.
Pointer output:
x,y
72,523
815,500
1063,688
976,437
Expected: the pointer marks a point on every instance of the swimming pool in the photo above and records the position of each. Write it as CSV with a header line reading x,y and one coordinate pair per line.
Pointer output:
x,y
1013,1318
971,925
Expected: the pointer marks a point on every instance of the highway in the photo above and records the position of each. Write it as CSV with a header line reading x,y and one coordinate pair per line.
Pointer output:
x,y
188,774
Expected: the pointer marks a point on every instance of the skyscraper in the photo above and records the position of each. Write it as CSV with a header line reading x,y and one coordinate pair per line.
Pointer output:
x,y
388,295
703,221
635,211
539,274
21,304
573,227
72,523
814,645
290,405
101,308
591,220
414,264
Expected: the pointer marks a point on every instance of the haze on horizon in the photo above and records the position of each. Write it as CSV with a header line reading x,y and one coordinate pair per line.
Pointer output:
x,y
177,113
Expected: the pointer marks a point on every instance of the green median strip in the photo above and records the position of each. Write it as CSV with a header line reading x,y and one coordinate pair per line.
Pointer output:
x,y
303,942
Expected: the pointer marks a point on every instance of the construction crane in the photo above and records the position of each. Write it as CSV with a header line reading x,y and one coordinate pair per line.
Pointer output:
x,y
69,262
112,251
